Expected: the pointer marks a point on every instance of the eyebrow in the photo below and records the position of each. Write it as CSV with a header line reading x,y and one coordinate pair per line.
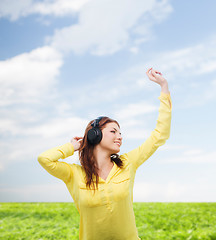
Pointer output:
x,y
116,130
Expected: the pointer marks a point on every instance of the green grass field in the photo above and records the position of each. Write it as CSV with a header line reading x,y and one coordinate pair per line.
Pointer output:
x,y
185,221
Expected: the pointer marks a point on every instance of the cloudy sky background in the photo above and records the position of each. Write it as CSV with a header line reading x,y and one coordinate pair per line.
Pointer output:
x,y
64,63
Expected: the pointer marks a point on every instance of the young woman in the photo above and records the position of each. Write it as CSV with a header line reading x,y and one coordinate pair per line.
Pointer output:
x,y
102,186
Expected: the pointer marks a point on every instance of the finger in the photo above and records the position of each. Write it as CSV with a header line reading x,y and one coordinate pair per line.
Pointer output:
x,y
158,72
151,77
154,73
77,138
148,71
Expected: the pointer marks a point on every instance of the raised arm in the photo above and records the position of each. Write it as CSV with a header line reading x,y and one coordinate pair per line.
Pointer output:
x,y
162,130
49,159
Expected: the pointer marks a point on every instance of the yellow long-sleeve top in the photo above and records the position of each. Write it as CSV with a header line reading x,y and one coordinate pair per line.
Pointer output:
x,y
108,214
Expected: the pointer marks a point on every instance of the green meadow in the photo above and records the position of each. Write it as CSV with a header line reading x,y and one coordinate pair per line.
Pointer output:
x,y
41,221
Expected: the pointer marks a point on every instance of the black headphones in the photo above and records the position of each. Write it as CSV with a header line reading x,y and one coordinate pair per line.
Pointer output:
x,y
94,135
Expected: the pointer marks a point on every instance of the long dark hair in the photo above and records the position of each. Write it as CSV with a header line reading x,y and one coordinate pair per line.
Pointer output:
x,y
86,155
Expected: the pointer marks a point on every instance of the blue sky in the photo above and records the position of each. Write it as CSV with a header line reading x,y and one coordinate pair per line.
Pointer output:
x,y
64,63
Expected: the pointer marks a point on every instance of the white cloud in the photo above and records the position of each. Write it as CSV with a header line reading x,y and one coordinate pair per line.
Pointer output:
x,y
170,147
174,192
58,127
132,110
104,26
14,9
28,76
58,7
213,82
51,192
193,152
1,167
136,133
193,156
134,50
191,61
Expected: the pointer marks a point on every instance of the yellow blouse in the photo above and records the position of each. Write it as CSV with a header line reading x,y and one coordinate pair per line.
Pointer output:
x,y
108,214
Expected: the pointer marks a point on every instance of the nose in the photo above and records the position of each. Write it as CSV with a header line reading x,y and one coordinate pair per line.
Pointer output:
x,y
120,137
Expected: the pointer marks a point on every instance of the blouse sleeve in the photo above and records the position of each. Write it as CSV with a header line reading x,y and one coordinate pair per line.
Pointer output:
x,y
157,138
49,161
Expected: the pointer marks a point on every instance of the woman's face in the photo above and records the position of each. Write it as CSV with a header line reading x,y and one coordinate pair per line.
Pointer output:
x,y
112,139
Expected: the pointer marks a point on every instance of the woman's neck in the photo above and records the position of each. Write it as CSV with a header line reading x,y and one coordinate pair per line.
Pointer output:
x,y
102,159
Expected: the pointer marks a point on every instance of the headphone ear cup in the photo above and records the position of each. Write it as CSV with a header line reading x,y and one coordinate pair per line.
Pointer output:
x,y
94,136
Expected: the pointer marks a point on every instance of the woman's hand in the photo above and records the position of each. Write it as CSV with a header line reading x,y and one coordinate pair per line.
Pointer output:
x,y
76,142
156,76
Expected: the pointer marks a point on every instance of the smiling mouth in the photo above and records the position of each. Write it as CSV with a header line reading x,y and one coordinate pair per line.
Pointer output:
x,y
118,144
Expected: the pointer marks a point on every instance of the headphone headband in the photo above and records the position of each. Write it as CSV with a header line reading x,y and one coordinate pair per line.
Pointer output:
x,y
96,122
